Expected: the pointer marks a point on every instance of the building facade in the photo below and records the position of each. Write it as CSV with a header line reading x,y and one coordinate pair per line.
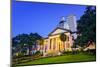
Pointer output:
x,y
53,44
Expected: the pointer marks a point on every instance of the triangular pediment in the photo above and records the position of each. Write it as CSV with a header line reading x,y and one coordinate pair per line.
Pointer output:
x,y
58,30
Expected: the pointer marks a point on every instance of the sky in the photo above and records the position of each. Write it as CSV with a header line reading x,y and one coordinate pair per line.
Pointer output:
x,y
41,18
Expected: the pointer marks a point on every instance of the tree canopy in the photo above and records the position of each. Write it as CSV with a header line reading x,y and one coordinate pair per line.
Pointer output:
x,y
63,37
87,26
22,40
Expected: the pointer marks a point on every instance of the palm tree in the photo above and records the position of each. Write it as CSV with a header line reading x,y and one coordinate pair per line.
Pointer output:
x,y
63,39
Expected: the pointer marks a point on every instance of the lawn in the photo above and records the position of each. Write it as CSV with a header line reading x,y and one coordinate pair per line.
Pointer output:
x,y
61,59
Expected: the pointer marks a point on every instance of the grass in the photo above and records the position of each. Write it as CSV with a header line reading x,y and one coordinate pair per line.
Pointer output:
x,y
61,59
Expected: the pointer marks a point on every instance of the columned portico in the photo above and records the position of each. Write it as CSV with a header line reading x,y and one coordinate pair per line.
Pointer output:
x,y
54,44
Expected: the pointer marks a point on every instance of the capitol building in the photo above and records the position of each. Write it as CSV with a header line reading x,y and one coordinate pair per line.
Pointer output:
x,y
53,44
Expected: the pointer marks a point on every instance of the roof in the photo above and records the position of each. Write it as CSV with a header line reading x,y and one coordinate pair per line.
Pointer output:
x,y
45,38
62,21
59,28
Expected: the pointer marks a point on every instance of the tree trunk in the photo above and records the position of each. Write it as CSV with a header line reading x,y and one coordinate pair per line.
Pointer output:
x,y
59,47
64,46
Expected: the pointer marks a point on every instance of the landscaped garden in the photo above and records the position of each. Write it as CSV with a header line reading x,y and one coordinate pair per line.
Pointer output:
x,y
61,59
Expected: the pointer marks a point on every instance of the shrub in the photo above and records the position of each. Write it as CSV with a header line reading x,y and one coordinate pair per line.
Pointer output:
x,y
90,52
67,52
37,55
38,52
52,53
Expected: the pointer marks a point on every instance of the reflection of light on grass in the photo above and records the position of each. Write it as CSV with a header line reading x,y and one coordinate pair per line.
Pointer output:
x,y
62,59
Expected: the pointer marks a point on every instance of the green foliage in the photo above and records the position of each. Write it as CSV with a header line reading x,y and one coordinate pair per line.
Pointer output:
x,y
25,40
63,37
87,26
90,52
38,52
20,54
67,52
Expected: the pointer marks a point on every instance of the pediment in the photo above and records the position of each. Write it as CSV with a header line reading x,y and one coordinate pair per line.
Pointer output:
x,y
58,30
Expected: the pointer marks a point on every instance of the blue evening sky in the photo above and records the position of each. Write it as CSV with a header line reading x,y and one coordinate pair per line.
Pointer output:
x,y
42,18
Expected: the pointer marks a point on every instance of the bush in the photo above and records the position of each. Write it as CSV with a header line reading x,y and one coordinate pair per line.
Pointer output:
x,y
37,55
19,55
38,52
67,52
52,53
90,52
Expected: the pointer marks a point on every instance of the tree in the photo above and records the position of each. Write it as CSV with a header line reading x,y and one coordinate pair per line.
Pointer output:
x,y
28,39
63,39
33,37
87,26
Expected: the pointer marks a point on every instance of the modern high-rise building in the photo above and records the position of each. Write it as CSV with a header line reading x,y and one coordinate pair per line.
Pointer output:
x,y
72,22
69,23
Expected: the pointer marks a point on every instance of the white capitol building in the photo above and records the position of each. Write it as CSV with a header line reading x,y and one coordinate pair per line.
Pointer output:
x,y
53,44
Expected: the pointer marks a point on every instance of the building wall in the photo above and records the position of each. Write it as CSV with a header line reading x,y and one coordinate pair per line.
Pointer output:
x,y
54,44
